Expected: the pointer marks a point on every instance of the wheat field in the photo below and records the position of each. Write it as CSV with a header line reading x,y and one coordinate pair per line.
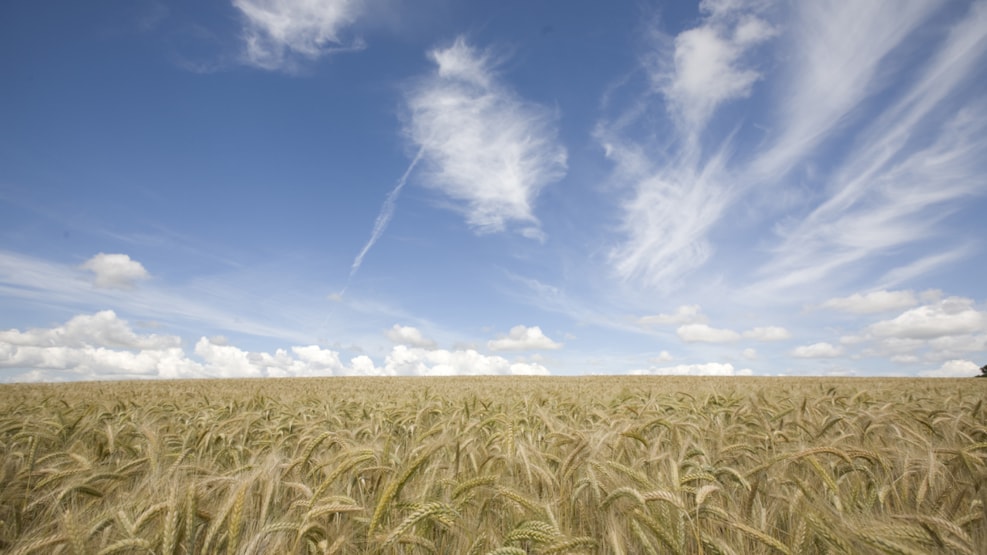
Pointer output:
x,y
495,466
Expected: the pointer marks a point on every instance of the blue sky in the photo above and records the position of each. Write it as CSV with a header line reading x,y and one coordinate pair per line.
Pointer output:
x,y
342,187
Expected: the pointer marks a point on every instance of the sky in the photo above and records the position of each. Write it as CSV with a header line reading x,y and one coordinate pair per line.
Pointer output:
x,y
272,188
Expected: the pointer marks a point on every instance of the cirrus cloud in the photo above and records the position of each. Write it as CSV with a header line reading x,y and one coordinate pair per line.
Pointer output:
x,y
276,32
485,148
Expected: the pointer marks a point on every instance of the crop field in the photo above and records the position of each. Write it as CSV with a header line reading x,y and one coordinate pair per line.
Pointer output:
x,y
495,466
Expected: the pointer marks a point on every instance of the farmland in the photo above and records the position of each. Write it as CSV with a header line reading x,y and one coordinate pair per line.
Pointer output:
x,y
497,466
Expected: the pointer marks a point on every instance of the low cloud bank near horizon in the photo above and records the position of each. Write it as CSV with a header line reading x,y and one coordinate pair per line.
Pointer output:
x,y
102,346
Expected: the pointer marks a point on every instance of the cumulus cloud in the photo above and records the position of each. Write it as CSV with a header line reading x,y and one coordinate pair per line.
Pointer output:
x,y
523,338
953,369
708,369
115,271
663,356
685,314
817,350
102,329
407,335
702,333
768,333
873,302
404,360
103,346
488,150
276,32
94,346
950,316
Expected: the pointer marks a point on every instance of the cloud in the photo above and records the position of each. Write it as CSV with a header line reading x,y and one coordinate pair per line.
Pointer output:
x,y
523,338
663,356
404,360
708,66
277,32
702,333
833,69
91,347
384,216
680,188
749,354
103,346
201,303
407,335
488,150
708,369
888,190
950,316
685,314
869,303
768,333
817,350
115,271
953,369
102,329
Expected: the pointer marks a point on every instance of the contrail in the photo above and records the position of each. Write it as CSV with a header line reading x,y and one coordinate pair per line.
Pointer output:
x,y
386,213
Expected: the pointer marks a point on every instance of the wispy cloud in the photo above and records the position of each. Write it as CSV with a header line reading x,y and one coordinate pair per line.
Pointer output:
x,y
679,192
26,278
484,147
891,189
707,65
278,32
834,50
386,213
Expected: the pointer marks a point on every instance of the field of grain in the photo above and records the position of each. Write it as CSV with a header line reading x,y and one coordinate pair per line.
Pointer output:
x,y
497,466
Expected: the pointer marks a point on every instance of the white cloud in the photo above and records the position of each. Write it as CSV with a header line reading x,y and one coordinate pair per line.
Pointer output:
x,y
702,333
685,314
102,346
522,338
817,350
679,192
94,346
708,67
407,335
950,316
708,369
749,353
102,329
485,148
833,69
278,31
115,271
768,333
440,362
201,303
890,190
953,369
875,301
663,356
